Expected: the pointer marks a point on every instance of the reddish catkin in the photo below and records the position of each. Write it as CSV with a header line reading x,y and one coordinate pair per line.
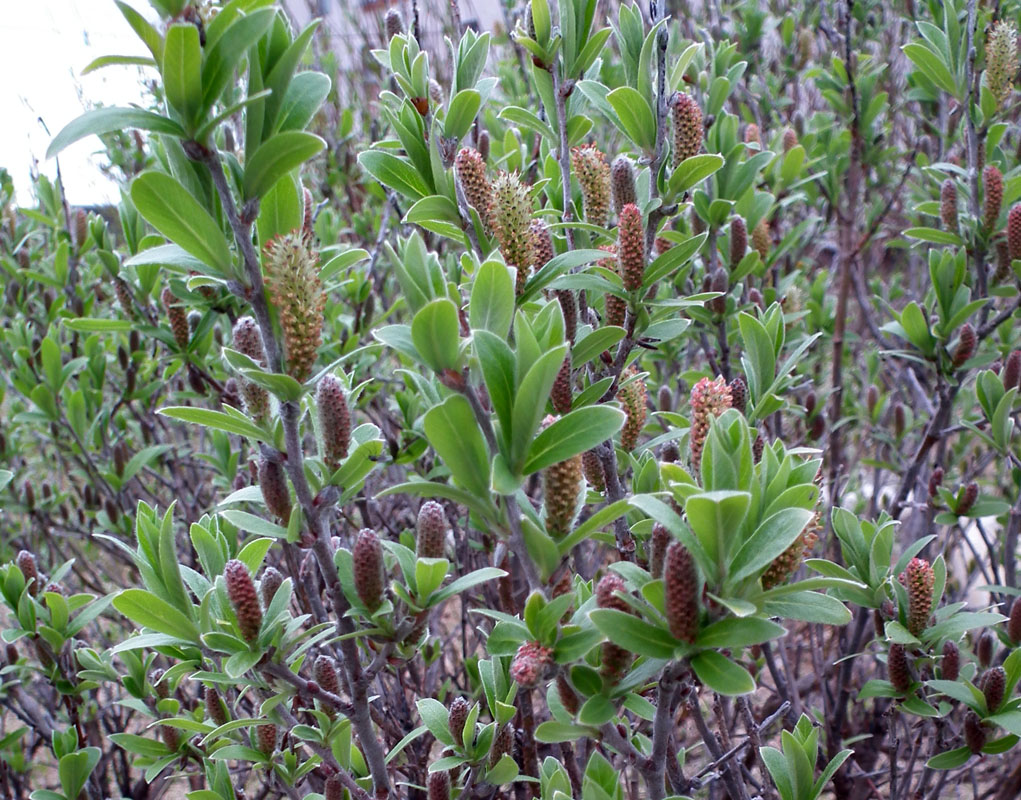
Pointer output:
x,y
542,243
561,395
974,733
616,307
248,341
568,697
1014,232
367,566
470,167
324,670
1014,622
503,744
994,684
81,228
394,24
593,174
216,709
457,716
241,591
266,738
790,140
292,279
614,659
948,204
718,282
688,129
622,184
985,648
761,239
709,399
992,182
680,590
273,483
26,563
919,580
935,481
592,468
738,241
530,664
562,491
752,134
899,669
439,785
569,308
431,530
738,394
334,419
633,398
950,665
966,343
967,501
788,562
659,541
1011,373
334,784
631,247
271,581
178,318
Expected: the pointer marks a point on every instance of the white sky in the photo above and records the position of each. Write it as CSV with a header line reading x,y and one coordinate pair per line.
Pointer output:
x,y
44,45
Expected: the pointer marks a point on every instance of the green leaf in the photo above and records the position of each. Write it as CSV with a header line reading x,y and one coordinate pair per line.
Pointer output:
x,y
147,609
455,436
492,299
434,715
597,711
808,607
635,116
574,433
74,769
931,65
693,171
219,420
773,536
933,235
107,120
721,674
229,48
738,632
466,582
304,96
277,156
950,759
395,172
551,732
529,404
174,212
182,75
118,61
461,113
435,332
715,517
633,634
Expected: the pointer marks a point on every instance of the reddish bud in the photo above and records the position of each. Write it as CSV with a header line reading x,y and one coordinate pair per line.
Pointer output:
x,y
216,709
974,733
659,541
562,395
470,168
178,318
967,499
1011,373
241,591
738,241
334,419
1014,621
273,483
680,586
503,743
899,669
592,468
26,563
935,481
457,717
985,648
992,182
367,565
431,530
271,581
266,739
622,184
567,695
439,785
948,205
994,684
334,785
950,666
324,670
966,343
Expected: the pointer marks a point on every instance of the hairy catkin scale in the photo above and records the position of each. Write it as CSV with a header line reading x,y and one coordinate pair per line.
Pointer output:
x,y
974,733
510,217
271,581
216,709
788,562
439,785
470,167
709,399
950,665
633,399
334,419
738,394
659,541
334,785
1011,373
367,566
593,174
26,563
1014,232
177,316
431,530
688,129
542,243
567,695
680,593
967,501
457,716
760,239
273,483
965,345
248,340
992,182
292,278
394,24
899,669
631,247
985,648
738,241
1001,61
919,580
324,670
241,591
994,685
171,737
266,738
622,184
561,395
569,308
531,664
562,491
1014,622
616,308
592,468
503,743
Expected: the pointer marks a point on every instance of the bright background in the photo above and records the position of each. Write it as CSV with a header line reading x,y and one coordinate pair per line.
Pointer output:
x,y
44,45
